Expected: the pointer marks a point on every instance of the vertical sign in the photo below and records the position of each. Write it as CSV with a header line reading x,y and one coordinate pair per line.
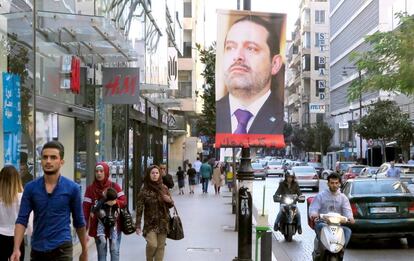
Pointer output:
x,y
11,118
172,68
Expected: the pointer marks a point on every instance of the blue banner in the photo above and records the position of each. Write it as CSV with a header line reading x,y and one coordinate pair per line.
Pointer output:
x,y
11,118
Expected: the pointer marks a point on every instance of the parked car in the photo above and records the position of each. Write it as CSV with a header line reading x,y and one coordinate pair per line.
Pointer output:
x,y
367,172
306,176
342,166
382,208
318,167
258,170
407,171
275,168
352,172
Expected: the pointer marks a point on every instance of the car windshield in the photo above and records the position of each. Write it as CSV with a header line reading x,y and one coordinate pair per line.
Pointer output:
x,y
356,170
315,164
378,187
257,166
303,170
275,163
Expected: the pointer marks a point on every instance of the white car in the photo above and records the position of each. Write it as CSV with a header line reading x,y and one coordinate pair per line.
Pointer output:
x,y
275,168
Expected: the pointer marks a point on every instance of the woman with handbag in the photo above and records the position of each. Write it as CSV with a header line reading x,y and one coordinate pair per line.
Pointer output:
x,y
96,194
154,201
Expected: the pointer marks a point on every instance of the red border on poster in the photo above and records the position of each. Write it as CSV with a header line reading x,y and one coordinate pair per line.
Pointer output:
x,y
250,140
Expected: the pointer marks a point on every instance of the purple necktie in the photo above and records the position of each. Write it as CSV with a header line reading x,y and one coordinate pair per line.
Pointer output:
x,y
243,118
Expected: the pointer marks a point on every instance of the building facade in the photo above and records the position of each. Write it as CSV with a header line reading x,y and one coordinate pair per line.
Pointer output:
x,y
306,93
346,36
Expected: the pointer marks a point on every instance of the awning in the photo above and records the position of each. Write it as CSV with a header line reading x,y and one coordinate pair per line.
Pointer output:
x,y
93,38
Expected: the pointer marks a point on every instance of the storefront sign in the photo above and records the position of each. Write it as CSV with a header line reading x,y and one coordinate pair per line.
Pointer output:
x,y
316,108
120,85
343,125
164,118
154,113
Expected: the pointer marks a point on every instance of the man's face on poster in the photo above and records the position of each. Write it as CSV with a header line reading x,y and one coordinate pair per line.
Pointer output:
x,y
248,65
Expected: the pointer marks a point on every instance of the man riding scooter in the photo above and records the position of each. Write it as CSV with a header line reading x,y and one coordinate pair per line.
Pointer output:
x,y
331,200
287,187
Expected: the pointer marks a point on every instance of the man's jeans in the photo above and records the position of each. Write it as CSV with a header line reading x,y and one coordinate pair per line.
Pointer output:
x,y
347,231
205,184
101,247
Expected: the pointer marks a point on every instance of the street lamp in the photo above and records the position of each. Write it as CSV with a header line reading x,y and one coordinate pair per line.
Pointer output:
x,y
345,75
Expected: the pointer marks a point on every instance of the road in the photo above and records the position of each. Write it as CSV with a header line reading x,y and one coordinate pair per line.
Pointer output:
x,y
302,245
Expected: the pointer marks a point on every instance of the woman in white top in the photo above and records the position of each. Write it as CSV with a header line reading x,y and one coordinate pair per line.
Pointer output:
x,y
10,195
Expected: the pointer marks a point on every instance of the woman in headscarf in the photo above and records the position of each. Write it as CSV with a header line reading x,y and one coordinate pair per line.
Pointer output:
x,y
154,201
95,193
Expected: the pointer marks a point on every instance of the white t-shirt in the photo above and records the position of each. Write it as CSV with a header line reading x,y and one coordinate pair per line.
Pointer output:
x,y
8,216
197,165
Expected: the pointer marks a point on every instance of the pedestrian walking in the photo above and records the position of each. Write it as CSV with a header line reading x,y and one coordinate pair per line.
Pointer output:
x,y
393,172
218,178
191,172
154,201
53,199
197,166
101,204
180,177
24,169
167,178
11,192
206,171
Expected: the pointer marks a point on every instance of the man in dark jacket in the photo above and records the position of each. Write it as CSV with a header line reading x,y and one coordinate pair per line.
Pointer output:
x,y
288,186
167,179
191,172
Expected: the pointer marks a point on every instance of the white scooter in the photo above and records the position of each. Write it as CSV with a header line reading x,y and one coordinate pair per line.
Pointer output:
x,y
332,239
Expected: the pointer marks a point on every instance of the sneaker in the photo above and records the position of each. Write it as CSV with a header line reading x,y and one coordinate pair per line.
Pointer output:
x,y
299,230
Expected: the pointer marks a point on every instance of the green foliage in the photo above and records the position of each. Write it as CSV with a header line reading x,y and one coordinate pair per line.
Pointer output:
x,y
287,131
18,59
386,122
206,124
390,64
323,135
312,138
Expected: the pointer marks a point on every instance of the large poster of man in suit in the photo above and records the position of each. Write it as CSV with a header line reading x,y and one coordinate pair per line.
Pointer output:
x,y
250,79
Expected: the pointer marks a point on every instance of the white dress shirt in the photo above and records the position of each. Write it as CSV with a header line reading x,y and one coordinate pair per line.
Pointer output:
x,y
253,108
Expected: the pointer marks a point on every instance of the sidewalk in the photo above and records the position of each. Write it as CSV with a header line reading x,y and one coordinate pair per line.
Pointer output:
x,y
208,228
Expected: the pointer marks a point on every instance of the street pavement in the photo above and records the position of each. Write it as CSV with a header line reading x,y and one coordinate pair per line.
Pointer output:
x,y
208,228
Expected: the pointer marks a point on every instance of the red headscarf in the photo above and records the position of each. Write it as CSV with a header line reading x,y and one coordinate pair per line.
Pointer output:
x,y
100,186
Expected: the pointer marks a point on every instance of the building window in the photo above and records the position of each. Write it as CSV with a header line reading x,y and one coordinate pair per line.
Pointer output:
x,y
306,40
306,62
187,44
319,16
320,62
187,9
306,16
184,84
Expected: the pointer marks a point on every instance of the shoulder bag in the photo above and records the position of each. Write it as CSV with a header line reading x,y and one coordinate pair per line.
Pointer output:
x,y
176,227
127,224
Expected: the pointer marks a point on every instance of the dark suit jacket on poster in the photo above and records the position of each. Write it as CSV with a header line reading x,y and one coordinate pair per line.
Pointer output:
x,y
262,124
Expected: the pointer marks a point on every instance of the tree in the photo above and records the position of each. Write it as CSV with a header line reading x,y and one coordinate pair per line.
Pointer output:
x,y
206,124
386,122
389,64
298,140
323,135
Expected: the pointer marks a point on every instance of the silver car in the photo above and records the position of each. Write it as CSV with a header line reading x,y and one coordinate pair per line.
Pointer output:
x,y
307,177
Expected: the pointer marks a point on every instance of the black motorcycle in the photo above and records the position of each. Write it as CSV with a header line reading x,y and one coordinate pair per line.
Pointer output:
x,y
288,225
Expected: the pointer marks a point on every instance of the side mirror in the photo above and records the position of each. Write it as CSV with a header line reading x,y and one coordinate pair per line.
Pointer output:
x,y
301,199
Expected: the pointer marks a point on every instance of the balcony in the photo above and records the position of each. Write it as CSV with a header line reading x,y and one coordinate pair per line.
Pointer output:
x,y
292,99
